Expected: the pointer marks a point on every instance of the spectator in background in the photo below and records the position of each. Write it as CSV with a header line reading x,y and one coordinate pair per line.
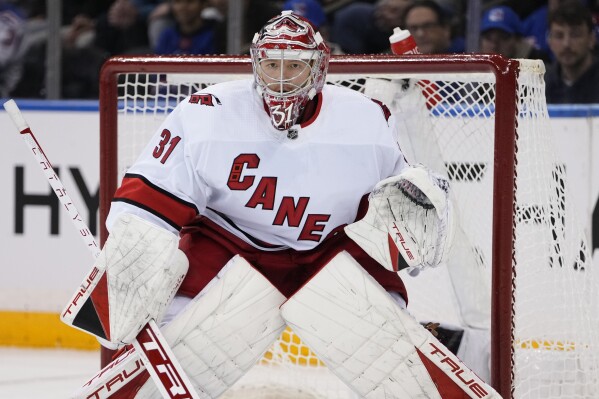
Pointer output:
x,y
311,10
257,13
124,28
364,28
535,28
192,34
159,18
500,33
429,24
81,60
216,10
574,75
12,26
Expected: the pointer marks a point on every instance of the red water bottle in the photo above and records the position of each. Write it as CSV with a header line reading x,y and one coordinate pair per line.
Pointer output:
x,y
402,42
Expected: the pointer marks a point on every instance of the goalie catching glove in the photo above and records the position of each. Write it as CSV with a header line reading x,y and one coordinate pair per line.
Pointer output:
x,y
133,280
409,214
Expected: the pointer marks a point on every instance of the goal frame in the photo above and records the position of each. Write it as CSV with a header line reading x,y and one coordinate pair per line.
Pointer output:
x,y
503,230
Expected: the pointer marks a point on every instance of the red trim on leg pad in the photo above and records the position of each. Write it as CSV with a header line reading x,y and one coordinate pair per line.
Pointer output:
x,y
447,388
99,297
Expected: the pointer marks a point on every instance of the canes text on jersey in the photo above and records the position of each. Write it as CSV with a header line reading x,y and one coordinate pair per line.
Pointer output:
x,y
289,209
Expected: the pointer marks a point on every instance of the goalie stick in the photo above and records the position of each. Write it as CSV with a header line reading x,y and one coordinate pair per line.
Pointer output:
x,y
156,354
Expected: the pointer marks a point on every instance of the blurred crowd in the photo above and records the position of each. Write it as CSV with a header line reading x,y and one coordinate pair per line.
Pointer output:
x,y
562,33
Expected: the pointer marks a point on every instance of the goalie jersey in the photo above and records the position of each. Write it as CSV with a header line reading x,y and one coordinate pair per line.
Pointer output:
x,y
218,155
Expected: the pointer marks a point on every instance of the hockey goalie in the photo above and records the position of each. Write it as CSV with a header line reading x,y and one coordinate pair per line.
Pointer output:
x,y
271,202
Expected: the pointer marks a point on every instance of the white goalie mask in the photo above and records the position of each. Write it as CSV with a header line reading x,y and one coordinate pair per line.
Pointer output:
x,y
290,61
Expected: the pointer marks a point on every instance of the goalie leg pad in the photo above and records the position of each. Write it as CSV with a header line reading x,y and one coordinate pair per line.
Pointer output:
x,y
356,328
217,337
133,281
119,379
225,329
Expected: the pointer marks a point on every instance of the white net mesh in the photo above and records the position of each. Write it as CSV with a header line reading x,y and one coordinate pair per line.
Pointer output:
x,y
554,291
448,123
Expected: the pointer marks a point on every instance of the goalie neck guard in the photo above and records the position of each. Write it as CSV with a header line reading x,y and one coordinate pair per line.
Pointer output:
x,y
290,61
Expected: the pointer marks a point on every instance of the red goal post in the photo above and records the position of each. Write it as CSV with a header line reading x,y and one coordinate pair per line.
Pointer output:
x,y
501,113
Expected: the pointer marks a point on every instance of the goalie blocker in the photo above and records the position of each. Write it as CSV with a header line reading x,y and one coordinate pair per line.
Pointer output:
x,y
132,282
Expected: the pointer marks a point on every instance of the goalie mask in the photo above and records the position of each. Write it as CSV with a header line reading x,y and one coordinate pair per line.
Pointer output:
x,y
290,61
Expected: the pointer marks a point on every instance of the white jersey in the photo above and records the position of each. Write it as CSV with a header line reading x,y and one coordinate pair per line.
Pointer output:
x,y
217,154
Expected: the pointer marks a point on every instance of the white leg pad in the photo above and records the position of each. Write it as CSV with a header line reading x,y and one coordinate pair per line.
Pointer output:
x,y
225,329
112,378
220,334
133,281
356,328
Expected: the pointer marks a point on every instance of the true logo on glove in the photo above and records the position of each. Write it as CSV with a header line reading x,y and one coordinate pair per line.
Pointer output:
x,y
400,241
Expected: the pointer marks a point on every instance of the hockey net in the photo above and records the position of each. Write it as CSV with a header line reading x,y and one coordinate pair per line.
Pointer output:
x,y
519,273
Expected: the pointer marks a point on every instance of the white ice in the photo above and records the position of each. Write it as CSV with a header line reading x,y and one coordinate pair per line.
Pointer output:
x,y
44,373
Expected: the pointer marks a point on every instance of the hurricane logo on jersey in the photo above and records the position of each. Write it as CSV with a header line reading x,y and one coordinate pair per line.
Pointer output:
x,y
204,99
